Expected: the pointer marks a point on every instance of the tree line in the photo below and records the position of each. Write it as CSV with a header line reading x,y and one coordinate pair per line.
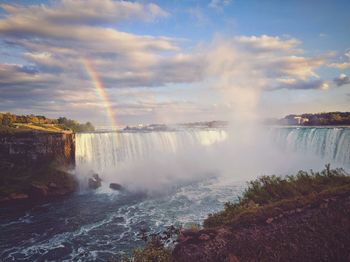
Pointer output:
x,y
9,120
320,119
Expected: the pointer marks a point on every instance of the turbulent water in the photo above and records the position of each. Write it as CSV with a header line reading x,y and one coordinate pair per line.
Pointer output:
x,y
92,226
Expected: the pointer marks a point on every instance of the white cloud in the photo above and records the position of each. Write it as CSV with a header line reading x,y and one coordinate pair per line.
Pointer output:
x,y
82,12
291,83
219,4
342,79
342,65
56,37
268,43
347,54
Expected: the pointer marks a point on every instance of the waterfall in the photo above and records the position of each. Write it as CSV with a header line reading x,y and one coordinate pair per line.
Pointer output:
x,y
101,151
331,144
110,151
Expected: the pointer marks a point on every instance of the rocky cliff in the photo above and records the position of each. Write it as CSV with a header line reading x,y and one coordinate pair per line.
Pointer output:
x,y
297,218
36,164
34,148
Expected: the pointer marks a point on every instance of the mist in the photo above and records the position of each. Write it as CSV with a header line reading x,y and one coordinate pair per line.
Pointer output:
x,y
239,71
235,158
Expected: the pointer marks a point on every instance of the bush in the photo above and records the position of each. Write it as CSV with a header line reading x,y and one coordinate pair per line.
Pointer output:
x,y
158,247
267,190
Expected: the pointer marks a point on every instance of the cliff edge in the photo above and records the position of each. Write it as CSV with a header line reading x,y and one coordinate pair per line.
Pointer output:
x,y
36,164
299,218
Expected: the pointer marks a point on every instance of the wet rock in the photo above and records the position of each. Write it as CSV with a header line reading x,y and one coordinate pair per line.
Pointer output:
x,y
115,186
94,182
17,196
4,199
37,191
233,258
53,185
204,237
269,220
251,204
324,205
182,238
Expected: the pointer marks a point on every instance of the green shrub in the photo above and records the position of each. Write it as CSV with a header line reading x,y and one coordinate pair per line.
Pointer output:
x,y
267,190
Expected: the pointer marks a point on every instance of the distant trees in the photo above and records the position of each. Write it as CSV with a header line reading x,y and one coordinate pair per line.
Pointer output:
x,y
320,119
8,120
74,125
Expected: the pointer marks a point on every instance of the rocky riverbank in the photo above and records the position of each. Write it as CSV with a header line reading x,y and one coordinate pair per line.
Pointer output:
x,y
319,231
301,218
305,217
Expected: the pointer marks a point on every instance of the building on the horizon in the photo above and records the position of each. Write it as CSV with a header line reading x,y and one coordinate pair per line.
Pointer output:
x,y
300,120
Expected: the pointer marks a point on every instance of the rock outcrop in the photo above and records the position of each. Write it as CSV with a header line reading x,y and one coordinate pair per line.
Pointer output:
x,y
94,182
316,232
115,186
35,148
34,165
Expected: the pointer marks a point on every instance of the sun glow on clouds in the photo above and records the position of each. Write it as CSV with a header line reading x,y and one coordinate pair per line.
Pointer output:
x,y
53,38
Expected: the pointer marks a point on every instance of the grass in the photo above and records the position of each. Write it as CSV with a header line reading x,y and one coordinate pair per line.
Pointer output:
x,y
154,251
19,127
264,197
40,127
267,194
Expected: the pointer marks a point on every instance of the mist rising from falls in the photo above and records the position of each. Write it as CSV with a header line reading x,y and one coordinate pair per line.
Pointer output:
x,y
148,159
158,160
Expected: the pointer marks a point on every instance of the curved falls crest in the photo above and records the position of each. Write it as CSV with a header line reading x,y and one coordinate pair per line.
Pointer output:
x,y
103,151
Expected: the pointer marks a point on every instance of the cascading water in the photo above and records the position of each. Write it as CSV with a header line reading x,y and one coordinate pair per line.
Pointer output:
x,y
101,151
109,223
330,144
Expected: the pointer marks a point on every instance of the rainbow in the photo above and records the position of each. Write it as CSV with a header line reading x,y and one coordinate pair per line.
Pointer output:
x,y
101,91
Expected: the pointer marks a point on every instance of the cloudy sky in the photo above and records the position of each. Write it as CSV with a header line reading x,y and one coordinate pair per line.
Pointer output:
x,y
173,61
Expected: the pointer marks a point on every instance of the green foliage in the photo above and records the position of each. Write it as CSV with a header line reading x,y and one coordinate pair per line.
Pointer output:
x,y
70,124
157,248
268,190
9,121
154,251
192,227
18,178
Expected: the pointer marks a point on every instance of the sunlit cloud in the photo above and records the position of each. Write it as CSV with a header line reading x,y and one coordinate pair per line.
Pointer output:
x,y
53,38
342,65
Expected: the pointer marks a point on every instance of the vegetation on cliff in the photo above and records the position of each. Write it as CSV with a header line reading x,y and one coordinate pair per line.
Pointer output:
x,y
295,218
16,123
305,217
35,164
267,192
